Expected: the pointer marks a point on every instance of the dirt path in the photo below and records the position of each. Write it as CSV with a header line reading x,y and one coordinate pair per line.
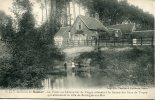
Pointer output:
x,y
75,51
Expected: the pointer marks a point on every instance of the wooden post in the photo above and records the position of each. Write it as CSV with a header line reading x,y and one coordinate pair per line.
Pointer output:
x,y
106,42
87,42
114,41
73,42
141,41
98,42
152,41
131,41
122,41
67,43
98,45
78,42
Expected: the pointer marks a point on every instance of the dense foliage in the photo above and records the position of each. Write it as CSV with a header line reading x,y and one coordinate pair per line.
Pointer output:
x,y
113,12
32,54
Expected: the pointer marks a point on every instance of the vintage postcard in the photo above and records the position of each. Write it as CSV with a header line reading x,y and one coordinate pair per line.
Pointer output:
x,y
77,49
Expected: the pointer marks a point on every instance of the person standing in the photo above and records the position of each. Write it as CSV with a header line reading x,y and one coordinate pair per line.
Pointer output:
x,y
65,66
79,65
73,66
95,41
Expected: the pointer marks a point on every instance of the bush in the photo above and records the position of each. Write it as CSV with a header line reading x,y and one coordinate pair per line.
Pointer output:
x,y
97,58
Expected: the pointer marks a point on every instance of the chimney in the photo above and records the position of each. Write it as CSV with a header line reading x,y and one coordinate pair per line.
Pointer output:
x,y
97,16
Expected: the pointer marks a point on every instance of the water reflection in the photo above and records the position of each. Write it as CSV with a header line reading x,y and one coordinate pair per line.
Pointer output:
x,y
70,80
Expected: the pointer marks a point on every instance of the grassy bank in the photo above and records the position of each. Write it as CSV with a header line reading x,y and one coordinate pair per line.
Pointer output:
x,y
133,65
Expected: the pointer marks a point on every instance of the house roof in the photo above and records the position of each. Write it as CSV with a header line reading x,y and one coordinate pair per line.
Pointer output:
x,y
93,23
125,28
63,31
144,33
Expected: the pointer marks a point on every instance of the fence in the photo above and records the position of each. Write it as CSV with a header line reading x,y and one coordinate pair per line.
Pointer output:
x,y
107,42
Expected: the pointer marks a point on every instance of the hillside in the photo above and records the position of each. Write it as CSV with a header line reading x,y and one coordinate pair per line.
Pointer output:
x,y
123,65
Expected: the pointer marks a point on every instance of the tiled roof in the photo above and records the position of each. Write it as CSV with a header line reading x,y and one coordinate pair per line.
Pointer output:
x,y
125,28
63,31
93,23
144,33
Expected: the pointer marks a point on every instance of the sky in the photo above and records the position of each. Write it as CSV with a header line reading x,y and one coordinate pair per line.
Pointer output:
x,y
146,5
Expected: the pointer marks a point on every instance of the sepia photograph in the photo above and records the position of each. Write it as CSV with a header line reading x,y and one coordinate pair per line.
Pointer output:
x,y
76,44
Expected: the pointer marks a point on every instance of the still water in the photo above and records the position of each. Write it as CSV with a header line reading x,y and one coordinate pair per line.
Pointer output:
x,y
71,80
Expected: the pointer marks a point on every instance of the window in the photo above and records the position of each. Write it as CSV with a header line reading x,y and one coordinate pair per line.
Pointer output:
x,y
79,26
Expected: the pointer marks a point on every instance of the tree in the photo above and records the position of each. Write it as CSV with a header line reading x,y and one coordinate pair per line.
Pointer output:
x,y
46,9
58,15
6,34
6,27
42,6
69,12
74,12
113,12
52,18
32,56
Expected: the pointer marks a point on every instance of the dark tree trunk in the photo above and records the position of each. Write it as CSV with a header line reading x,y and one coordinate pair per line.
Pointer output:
x,y
79,9
42,11
53,17
69,13
65,13
74,9
46,10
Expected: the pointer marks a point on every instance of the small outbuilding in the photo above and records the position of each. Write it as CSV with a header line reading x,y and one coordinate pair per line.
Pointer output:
x,y
126,29
145,36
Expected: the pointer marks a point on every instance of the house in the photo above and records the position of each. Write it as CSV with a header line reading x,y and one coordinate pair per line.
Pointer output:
x,y
90,28
62,35
126,29
115,32
84,28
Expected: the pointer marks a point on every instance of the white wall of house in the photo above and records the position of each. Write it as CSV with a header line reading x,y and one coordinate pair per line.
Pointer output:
x,y
134,41
58,40
80,26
